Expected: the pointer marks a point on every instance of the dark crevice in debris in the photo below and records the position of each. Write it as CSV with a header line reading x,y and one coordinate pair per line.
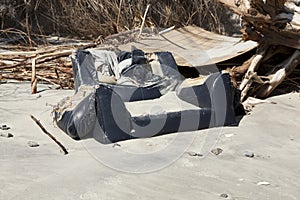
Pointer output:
x,y
236,61
188,72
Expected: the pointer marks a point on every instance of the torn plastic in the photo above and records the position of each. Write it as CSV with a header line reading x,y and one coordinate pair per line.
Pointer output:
x,y
76,116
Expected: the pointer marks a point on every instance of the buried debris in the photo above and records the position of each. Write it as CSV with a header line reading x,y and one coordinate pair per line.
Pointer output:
x,y
121,95
147,97
47,64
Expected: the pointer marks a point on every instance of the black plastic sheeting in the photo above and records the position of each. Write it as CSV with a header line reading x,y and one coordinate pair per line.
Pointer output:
x,y
102,113
217,93
85,73
80,121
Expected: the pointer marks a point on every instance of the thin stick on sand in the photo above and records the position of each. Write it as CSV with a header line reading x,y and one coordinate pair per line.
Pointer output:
x,y
49,134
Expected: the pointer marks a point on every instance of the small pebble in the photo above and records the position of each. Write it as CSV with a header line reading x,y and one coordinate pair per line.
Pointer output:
x,y
33,144
4,127
194,154
264,183
225,196
229,135
217,151
7,135
249,154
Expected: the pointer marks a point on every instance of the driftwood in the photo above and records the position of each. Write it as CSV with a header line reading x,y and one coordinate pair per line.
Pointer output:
x,y
275,25
41,59
63,148
49,64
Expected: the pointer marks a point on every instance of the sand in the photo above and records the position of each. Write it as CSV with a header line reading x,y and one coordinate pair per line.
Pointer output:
x,y
165,167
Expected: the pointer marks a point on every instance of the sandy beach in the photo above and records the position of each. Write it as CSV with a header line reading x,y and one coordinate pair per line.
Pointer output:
x,y
259,159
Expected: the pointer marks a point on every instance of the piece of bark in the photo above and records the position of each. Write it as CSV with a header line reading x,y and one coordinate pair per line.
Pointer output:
x,y
241,70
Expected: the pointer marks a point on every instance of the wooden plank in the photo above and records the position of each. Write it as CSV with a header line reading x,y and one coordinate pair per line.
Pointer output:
x,y
193,46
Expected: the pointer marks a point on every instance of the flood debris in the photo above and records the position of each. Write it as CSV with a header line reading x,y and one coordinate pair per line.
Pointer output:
x,y
148,97
50,64
275,25
131,78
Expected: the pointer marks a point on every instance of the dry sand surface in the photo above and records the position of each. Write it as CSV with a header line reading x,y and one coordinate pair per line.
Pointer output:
x,y
95,171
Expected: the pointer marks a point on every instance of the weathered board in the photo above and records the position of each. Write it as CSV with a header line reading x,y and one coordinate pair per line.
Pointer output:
x,y
193,46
